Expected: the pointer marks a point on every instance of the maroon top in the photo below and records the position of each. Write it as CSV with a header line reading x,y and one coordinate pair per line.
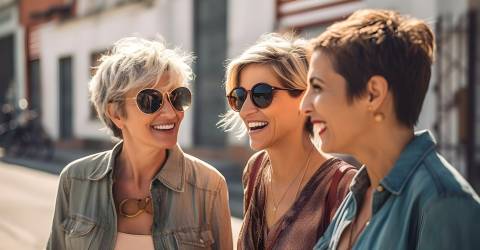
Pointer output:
x,y
301,226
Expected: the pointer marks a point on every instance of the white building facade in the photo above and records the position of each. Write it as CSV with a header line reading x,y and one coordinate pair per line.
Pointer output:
x,y
12,53
97,25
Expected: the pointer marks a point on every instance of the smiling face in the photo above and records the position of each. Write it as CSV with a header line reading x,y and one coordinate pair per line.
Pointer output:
x,y
281,121
158,130
338,123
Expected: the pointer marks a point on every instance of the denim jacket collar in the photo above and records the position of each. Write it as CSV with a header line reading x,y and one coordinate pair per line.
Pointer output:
x,y
360,181
172,174
410,158
103,169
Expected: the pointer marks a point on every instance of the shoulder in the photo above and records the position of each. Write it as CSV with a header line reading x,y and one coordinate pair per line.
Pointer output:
x,y
444,198
251,161
345,172
342,176
444,176
437,187
436,178
84,167
447,223
203,175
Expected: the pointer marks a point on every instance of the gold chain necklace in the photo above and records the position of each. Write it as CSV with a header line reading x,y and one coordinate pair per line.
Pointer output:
x,y
275,204
131,208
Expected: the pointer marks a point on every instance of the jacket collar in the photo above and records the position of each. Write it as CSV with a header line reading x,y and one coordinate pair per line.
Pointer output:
x,y
172,174
103,168
411,157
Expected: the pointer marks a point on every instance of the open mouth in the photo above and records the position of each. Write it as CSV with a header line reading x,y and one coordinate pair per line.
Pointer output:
x,y
163,127
319,127
255,126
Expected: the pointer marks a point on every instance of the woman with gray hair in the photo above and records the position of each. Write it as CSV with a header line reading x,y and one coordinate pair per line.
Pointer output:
x,y
291,189
145,193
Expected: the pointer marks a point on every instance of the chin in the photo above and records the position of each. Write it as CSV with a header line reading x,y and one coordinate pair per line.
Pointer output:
x,y
166,145
257,146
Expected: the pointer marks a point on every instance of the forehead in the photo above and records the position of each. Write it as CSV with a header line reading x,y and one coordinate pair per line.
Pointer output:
x,y
322,69
167,82
320,63
257,73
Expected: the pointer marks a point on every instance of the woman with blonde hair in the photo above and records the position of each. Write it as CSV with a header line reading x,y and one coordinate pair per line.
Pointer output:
x,y
145,193
291,189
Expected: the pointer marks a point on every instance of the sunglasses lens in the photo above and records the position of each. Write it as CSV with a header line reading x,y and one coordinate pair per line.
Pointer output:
x,y
236,98
181,98
149,101
262,95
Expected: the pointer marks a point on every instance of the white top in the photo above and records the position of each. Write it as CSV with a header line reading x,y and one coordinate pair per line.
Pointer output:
x,y
133,241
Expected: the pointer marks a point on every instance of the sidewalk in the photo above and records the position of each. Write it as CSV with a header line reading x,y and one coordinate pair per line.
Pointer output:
x,y
27,203
26,210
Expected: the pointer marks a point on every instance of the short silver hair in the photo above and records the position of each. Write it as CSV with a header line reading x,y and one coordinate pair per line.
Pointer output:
x,y
288,57
135,63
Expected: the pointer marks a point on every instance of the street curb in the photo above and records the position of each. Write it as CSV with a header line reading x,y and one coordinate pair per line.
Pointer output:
x,y
50,167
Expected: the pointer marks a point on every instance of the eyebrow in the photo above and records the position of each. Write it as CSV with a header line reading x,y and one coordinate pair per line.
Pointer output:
x,y
313,79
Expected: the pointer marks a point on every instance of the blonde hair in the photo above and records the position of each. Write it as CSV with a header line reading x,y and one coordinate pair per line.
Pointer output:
x,y
287,56
135,63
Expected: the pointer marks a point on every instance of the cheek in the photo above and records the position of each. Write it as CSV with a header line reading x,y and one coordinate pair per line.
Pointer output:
x,y
241,115
288,114
133,114
180,116
318,103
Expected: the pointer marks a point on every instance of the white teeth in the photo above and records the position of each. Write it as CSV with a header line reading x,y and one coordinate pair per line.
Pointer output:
x,y
317,127
256,124
164,126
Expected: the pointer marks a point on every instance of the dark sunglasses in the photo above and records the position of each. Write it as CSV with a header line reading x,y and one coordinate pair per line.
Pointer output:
x,y
261,95
150,101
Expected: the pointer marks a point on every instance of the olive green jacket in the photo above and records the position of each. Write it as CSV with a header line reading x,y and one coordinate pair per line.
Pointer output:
x,y
190,205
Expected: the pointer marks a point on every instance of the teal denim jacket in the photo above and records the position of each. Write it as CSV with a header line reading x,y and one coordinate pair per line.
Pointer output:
x,y
423,203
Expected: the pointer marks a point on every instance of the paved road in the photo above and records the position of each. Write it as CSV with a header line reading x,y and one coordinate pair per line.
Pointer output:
x,y
27,200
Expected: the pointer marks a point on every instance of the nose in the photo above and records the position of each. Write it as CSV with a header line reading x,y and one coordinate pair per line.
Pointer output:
x,y
167,109
306,104
248,107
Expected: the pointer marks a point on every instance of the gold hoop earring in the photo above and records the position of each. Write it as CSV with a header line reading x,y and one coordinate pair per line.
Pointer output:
x,y
379,117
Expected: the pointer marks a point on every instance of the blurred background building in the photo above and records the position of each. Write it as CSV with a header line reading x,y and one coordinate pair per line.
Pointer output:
x,y
48,48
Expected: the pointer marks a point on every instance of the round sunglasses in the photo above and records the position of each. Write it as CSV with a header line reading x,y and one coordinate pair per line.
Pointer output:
x,y
261,95
150,101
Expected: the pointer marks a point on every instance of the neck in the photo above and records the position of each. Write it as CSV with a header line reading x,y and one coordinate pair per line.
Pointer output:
x,y
381,149
290,156
139,164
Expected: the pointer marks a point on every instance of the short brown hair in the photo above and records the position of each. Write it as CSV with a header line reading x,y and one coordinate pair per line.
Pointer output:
x,y
385,43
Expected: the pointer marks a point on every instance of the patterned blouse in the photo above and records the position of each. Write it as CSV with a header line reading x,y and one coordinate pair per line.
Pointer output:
x,y
303,224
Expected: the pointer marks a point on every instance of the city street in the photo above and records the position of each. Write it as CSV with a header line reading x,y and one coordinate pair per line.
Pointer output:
x,y
27,200
77,77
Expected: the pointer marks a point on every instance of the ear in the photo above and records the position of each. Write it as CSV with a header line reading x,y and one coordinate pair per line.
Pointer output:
x,y
114,115
377,92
